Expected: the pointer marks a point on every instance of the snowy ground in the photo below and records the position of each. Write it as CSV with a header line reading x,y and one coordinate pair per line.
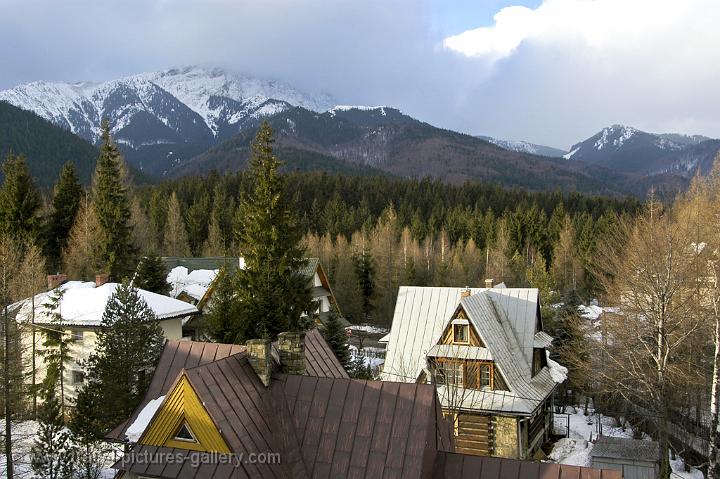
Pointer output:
x,y
575,450
23,438
374,357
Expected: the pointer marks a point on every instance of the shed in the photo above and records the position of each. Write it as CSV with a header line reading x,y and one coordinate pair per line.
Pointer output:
x,y
637,459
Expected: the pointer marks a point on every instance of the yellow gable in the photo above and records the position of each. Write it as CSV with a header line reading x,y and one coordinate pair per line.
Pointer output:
x,y
183,422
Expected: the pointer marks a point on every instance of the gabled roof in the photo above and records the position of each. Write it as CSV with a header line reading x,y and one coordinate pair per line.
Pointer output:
x,y
187,355
321,426
505,320
83,305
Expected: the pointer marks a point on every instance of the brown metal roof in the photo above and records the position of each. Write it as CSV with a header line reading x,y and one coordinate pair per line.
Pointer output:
x,y
355,428
320,360
455,465
176,356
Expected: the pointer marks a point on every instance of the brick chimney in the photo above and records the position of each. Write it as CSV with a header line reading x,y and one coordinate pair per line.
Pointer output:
x,y
465,292
258,352
489,283
55,280
101,278
291,346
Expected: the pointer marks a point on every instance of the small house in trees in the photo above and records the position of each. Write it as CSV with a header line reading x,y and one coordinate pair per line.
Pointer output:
x,y
81,310
194,280
485,351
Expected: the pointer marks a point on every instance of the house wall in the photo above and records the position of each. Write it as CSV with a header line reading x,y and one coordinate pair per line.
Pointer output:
x,y
80,351
474,434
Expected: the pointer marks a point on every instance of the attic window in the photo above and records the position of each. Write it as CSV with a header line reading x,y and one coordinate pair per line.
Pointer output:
x,y
185,434
460,333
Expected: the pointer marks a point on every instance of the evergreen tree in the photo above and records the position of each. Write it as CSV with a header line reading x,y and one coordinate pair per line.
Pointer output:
x,y
364,267
63,210
19,200
111,203
151,275
127,348
57,344
175,242
223,321
272,291
358,368
214,245
80,258
336,337
51,453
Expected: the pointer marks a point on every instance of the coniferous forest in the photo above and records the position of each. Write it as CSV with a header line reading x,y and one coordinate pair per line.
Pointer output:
x,y
372,234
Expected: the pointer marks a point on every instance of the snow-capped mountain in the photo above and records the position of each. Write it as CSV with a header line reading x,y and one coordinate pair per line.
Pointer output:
x,y
627,149
165,117
525,147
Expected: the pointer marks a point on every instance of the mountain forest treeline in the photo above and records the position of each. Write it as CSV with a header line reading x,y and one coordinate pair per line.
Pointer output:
x,y
372,234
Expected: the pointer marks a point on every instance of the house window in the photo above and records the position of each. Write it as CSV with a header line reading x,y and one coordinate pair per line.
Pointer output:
x,y
77,336
185,434
78,377
460,333
450,373
485,376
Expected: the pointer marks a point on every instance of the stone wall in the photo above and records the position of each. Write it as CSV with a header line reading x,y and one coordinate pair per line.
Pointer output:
x,y
506,440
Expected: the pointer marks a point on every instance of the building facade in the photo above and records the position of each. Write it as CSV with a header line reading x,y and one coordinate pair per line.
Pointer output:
x,y
485,351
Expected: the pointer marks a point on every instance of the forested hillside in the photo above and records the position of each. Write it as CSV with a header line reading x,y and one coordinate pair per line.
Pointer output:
x,y
46,146
374,234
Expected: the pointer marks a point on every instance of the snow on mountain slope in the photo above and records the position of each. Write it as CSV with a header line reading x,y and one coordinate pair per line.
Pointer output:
x,y
624,148
524,147
80,107
163,118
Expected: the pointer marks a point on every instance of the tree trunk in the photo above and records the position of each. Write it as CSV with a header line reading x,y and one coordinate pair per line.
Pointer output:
x,y
714,440
6,397
34,366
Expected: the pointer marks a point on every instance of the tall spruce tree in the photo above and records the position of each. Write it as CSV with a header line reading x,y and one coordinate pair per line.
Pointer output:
x,y
51,453
128,346
151,275
63,210
19,200
272,291
336,337
111,203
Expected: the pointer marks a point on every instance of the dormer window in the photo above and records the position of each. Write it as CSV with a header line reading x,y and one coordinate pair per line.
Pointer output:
x,y
460,333
185,434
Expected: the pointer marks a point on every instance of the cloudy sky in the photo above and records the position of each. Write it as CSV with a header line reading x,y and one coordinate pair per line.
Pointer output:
x,y
548,71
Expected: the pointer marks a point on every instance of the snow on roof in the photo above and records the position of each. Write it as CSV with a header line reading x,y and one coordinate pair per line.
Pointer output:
x,y
137,428
194,283
83,304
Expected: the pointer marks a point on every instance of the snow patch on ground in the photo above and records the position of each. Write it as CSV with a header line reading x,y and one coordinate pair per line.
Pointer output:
x,y
24,434
367,328
575,450
371,356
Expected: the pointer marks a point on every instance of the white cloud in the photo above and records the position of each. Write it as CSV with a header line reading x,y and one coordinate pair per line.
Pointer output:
x,y
565,69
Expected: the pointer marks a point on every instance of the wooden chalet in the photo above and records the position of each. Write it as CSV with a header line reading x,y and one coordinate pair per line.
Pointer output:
x,y
484,350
